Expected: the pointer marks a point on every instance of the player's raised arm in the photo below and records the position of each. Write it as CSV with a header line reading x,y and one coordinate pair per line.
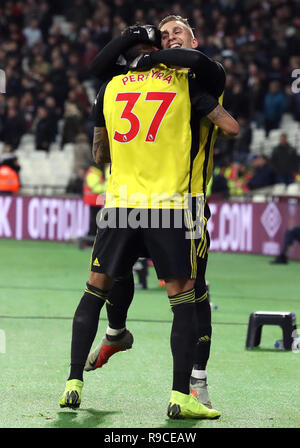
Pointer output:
x,y
105,63
210,74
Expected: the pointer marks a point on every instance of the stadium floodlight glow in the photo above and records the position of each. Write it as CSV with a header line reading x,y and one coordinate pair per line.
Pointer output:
x,y
2,81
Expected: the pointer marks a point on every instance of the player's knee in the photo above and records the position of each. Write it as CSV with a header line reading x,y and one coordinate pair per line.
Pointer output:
x,y
100,280
183,298
179,286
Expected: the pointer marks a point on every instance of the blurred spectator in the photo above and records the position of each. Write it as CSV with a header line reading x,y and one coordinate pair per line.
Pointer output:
x,y
45,129
238,177
39,66
220,182
274,106
90,52
79,11
53,110
45,19
75,185
81,100
95,183
28,108
236,100
14,127
9,158
241,144
9,180
104,28
13,82
263,175
9,172
222,152
275,71
75,66
73,123
82,152
290,237
32,33
256,84
58,78
284,160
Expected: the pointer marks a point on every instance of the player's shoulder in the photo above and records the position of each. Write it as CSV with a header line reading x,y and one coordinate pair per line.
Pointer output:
x,y
101,92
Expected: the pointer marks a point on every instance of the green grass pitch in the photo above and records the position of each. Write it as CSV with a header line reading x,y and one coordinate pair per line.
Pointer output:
x,y
41,284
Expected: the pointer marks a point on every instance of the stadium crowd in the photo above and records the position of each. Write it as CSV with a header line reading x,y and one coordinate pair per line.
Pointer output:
x,y
46,65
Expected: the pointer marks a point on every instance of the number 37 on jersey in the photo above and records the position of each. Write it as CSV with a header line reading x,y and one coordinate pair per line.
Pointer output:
x,y
131,99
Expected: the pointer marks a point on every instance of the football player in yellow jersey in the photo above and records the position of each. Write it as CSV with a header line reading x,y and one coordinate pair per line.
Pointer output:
x,y
173,255
176,35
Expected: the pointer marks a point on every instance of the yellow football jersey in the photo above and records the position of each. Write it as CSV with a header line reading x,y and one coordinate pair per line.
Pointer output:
x,y
153,124
147,117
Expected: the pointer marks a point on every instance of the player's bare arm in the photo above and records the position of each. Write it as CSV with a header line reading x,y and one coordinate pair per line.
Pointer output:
x,y
228,126
100,150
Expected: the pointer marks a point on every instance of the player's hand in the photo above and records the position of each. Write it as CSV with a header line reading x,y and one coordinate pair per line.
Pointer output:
x,y
143,62
148,34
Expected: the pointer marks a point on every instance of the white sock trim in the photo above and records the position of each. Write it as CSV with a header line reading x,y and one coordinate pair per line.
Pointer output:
x,y
113,331
199,374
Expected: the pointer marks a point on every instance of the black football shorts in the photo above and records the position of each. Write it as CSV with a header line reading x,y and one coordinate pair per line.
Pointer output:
x,y
165,236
